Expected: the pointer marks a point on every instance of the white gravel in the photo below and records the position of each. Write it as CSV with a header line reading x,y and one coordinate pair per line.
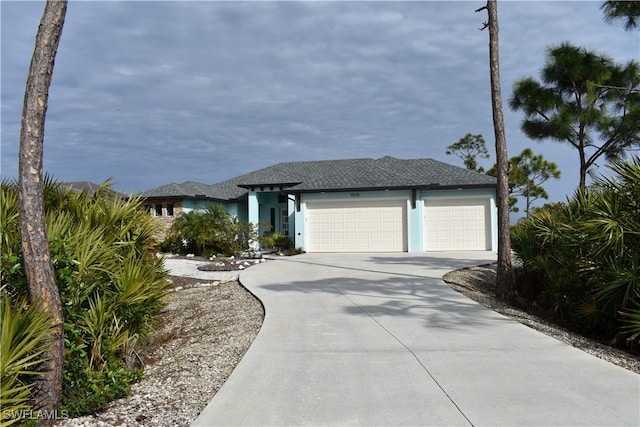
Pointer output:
x,y
189,268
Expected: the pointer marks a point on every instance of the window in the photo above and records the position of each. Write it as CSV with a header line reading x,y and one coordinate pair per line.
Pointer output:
x,y
284,221
169,209
273,219
158,208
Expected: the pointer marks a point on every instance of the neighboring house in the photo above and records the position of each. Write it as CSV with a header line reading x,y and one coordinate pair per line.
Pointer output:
x,y
90,187
356,205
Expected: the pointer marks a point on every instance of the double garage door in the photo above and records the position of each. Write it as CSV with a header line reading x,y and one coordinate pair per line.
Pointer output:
x,y
381,226
369,226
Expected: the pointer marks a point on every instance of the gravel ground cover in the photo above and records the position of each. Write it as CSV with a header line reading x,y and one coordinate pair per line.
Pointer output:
x,y
205,330
208,325
478,283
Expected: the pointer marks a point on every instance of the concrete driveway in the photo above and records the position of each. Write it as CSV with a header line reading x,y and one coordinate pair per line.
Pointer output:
x,y
380,340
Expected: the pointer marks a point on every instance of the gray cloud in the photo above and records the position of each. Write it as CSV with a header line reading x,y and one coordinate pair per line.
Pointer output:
x,y
155,92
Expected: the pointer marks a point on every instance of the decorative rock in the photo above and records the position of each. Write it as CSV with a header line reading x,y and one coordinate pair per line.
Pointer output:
x,y
241,267
190,255
245,263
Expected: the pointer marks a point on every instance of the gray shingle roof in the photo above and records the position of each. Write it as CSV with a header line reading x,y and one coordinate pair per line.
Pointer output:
x,y
386,172
192,189
90,187
334,175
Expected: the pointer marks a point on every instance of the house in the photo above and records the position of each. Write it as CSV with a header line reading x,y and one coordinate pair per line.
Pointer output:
x,y
355,205
91,188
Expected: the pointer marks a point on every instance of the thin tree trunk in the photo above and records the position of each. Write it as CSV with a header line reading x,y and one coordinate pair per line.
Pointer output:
x,y
504,280
35,246
583,170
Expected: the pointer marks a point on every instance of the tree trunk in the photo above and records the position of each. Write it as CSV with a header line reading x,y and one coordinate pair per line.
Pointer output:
x,y
504,280
35,246
584,168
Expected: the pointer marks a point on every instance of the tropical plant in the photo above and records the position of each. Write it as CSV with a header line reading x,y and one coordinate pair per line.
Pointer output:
x,y
212,229
584,256
110,282
585,100
25,332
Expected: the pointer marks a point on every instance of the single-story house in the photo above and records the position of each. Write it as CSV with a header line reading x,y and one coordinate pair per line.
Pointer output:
x,y
354,205
91,188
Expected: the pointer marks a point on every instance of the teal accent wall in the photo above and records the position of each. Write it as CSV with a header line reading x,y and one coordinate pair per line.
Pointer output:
x,y
235,209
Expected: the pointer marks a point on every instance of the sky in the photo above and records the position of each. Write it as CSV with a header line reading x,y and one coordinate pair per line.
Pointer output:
x,y
153,92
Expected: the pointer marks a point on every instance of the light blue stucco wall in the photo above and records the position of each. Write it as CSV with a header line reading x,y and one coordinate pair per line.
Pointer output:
x,y
259,211
414,217
234,209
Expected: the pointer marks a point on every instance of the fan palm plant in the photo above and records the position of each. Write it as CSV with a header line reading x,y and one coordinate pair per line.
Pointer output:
x,y
25,330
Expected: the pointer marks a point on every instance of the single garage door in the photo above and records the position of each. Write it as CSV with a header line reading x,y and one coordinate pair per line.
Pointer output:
x,y
456,224
372,226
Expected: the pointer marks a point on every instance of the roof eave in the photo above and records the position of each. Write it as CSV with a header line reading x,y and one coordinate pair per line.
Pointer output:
x,y
391,188
284,185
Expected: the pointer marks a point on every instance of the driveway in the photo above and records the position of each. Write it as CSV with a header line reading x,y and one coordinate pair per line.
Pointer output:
x,y
381,340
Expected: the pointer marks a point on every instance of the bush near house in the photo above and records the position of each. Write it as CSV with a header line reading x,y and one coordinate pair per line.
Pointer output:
x,y
581,259
209,231
111,287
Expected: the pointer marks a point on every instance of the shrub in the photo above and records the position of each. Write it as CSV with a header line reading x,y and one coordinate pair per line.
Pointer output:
x,y
584,256
276,240
111,285
25,331
211,231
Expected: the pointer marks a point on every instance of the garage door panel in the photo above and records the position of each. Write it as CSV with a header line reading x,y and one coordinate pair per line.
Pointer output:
x,y
456,224
373,226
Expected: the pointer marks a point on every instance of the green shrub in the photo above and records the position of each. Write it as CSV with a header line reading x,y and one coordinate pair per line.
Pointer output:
x,y
111,285
25,330
583,257
210,231
276,240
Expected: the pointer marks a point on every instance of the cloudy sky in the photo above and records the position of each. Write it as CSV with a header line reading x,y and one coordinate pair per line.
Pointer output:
x,y
150,93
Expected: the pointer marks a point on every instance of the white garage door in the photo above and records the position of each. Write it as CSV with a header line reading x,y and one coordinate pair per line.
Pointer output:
x,y
456,224
374,226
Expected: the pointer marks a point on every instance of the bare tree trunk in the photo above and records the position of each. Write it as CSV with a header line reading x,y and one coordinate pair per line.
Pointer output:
x,y
35,246
504,280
